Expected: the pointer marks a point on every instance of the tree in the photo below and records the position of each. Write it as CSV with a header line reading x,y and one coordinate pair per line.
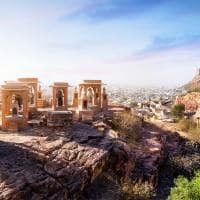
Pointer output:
x,y
178,110
133,104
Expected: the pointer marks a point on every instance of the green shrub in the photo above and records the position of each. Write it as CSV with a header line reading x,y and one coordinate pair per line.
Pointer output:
x,y
185,189
178,110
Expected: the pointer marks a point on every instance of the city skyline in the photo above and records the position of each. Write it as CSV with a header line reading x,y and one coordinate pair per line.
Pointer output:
x,y
127,42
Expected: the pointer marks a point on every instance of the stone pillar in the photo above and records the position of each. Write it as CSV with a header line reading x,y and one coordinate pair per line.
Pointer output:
x,y
104,99
39,94
83,100
75,98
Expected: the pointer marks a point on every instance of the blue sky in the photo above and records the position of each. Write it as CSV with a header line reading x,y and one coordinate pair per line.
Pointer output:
x,y
126,42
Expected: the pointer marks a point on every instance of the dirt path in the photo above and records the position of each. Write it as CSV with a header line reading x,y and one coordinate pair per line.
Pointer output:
x,y
170,127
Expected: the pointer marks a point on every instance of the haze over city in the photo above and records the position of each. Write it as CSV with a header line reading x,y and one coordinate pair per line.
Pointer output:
x,y
127,42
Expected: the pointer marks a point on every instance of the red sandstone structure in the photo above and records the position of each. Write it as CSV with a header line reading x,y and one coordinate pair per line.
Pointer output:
x,y
60,96
89,99
15,108
90,95
23,103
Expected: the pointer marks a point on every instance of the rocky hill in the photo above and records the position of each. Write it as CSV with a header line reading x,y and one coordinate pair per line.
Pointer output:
x,y
194,84
191,100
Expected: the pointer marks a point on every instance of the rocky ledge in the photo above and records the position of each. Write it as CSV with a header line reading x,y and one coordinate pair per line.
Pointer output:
x,y
47,163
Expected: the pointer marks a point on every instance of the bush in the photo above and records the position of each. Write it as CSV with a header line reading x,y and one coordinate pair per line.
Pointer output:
x,y
137,191
178,110
190,127
194,90
186,125
128,125
133,104
185,189
194,134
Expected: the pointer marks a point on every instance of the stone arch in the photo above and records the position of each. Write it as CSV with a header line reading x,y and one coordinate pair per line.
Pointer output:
x,y
31,95
16,104
14,111
91,96
60,97
20,101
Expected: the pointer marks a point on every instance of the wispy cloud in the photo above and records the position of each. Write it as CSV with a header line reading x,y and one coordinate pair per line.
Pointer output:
x,y
109,9
75,45
162,48
160,43
117,39
102,10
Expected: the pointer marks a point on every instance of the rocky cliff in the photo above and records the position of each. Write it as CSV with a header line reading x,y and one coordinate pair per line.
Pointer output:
x,y
194,83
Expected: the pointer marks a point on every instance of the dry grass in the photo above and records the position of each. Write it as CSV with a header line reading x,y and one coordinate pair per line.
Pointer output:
x,y
190,128
128,126
137,191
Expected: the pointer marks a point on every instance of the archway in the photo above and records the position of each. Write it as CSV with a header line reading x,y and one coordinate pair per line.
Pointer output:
x,y
19,101
60,98
32,96
90,96
16,104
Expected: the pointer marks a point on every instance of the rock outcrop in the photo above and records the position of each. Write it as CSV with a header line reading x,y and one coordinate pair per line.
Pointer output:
x,y
137,163
194,83
52,164
149,156
190,100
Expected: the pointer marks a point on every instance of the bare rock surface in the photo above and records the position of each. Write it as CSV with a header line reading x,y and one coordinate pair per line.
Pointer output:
x,y
51,163
48,163
134,163
149,155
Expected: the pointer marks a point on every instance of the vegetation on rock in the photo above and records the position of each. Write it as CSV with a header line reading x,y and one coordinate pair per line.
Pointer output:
x,y
178,110
186,125
186,189
133,104
194,90
128,125
191,128
137,191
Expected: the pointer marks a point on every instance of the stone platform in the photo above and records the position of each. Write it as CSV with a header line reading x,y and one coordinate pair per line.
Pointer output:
x,y
15,122
59,118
